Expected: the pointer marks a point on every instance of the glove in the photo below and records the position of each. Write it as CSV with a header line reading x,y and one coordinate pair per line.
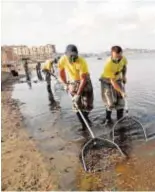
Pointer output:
x,y
100,79
65,87
76,98
124,80
123,94
54,75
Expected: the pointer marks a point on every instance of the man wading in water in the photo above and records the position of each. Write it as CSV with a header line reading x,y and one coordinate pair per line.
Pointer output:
x,y
27,71
112,80
79,84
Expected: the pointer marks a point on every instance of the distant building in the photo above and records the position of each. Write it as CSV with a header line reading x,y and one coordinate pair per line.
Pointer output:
x,y
34,52
13,54
8,56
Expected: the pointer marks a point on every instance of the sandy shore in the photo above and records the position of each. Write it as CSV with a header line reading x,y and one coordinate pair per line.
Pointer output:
x,y
23,167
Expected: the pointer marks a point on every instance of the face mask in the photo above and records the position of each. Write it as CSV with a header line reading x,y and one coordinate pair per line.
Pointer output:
x,y
117,60
73,58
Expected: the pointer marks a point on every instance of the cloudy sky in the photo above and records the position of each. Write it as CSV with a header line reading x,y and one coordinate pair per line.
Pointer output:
x,y
91,25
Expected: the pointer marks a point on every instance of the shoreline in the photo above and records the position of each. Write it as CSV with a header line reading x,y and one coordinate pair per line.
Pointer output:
x,y
23,166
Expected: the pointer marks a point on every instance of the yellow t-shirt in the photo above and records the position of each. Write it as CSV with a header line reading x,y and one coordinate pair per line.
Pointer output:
x,y
74,70
113,70
48,65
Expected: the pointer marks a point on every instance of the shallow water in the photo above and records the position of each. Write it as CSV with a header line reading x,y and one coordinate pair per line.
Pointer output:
x,y
56,128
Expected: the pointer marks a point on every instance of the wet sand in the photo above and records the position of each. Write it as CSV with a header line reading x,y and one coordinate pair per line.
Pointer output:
x,y
23,167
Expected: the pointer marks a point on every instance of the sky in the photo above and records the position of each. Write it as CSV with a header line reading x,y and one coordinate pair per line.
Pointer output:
x,y
94,26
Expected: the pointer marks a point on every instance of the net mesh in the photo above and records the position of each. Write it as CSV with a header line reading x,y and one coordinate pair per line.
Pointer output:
x,y
99,154
127,131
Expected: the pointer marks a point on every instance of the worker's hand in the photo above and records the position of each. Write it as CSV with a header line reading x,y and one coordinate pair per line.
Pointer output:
x,y
123,94
100,79
124,80
66,87
54,76
76,98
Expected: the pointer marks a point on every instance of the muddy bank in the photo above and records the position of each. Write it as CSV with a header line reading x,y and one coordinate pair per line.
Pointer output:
x,y
133,174
23,167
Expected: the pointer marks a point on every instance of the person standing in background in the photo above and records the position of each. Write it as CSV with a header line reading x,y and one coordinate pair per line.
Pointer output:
x,y
26,69
38,71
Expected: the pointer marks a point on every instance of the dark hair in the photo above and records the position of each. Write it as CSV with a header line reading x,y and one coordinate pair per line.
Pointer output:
x,y
116,49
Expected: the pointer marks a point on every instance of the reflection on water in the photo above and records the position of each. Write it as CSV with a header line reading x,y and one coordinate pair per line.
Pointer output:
x,y
29,84
55,126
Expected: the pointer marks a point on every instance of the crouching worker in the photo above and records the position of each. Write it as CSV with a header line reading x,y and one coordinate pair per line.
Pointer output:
x,y
112,80
78,83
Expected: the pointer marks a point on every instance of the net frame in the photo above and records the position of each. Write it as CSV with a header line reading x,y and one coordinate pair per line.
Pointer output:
x,y
96,141
129,118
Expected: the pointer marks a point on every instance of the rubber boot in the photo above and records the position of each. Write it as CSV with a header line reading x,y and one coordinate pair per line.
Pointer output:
x,y
120,113
81,121
108,119
86,115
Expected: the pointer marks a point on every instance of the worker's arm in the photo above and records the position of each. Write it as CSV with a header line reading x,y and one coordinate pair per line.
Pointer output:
x,y
124,71
61,72
84,72
82,83
62,76
117,87
52,70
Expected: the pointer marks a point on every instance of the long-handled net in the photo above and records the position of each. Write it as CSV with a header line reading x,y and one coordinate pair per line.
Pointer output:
x,y
98,153
128,130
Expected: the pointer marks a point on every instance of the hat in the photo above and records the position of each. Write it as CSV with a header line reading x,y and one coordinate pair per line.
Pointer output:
x,y
71,50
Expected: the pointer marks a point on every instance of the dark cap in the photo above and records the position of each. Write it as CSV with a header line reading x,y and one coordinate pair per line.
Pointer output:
x,y
71,50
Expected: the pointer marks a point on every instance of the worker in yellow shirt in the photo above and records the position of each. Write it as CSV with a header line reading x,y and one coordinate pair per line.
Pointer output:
x,y
74,74
48,67
49,70
112,80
